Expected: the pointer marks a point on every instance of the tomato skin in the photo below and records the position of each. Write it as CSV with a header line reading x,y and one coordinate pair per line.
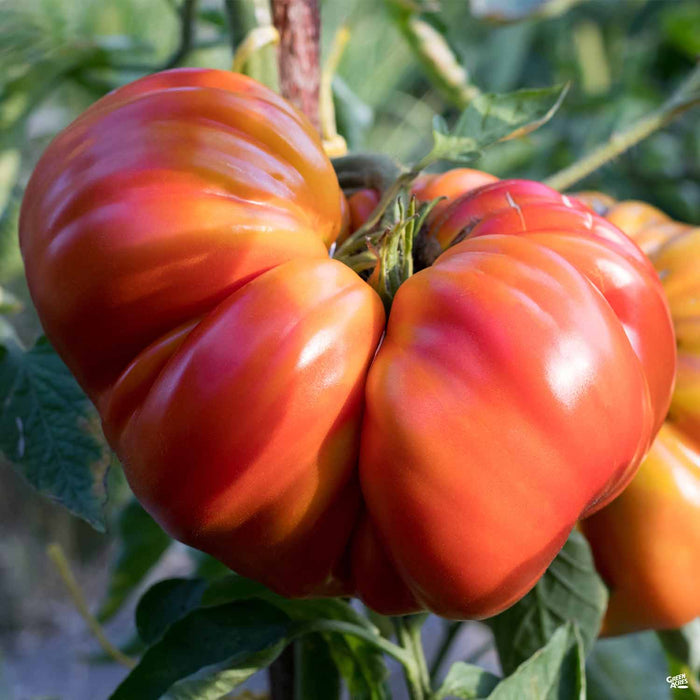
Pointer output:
x,y
167,233
617,267
518,208
646,542
361,204
190,151
546,215
463,213
176,244
677,264
451,185
486,338
289,353
345,218
430,349
632,216
377,579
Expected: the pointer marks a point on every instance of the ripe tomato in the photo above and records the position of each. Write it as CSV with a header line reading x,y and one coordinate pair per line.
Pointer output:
x,y
646,543
176,246
176,243
512,348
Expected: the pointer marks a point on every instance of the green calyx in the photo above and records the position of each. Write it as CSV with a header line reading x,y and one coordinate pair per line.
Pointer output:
x,y
389,248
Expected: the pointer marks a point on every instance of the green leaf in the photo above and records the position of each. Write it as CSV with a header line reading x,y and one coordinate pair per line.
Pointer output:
x,y
208,652
491,118
632,667
570,590
169,600
211,16
234,587
217,680
467,681
684,644
555,671
49,430
317,676
383,623
360,663
10,161
165,603
143,542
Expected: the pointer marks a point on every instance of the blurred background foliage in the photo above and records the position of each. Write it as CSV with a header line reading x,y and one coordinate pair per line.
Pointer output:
x,y
623,58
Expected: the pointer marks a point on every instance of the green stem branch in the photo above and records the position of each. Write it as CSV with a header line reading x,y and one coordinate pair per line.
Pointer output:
x,y
415,623
409,651
408,636
61,563
338,626
684,99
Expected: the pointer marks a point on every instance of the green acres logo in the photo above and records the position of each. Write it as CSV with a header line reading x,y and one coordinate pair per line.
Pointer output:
x,y
679,681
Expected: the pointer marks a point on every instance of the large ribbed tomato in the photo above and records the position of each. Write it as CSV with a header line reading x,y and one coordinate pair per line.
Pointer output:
x,y
176,243
175,239
521,379
647,542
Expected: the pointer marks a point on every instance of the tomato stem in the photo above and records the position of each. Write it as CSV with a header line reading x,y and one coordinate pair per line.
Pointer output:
x,y
360,262
389,249
394,253
408,635
299,25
